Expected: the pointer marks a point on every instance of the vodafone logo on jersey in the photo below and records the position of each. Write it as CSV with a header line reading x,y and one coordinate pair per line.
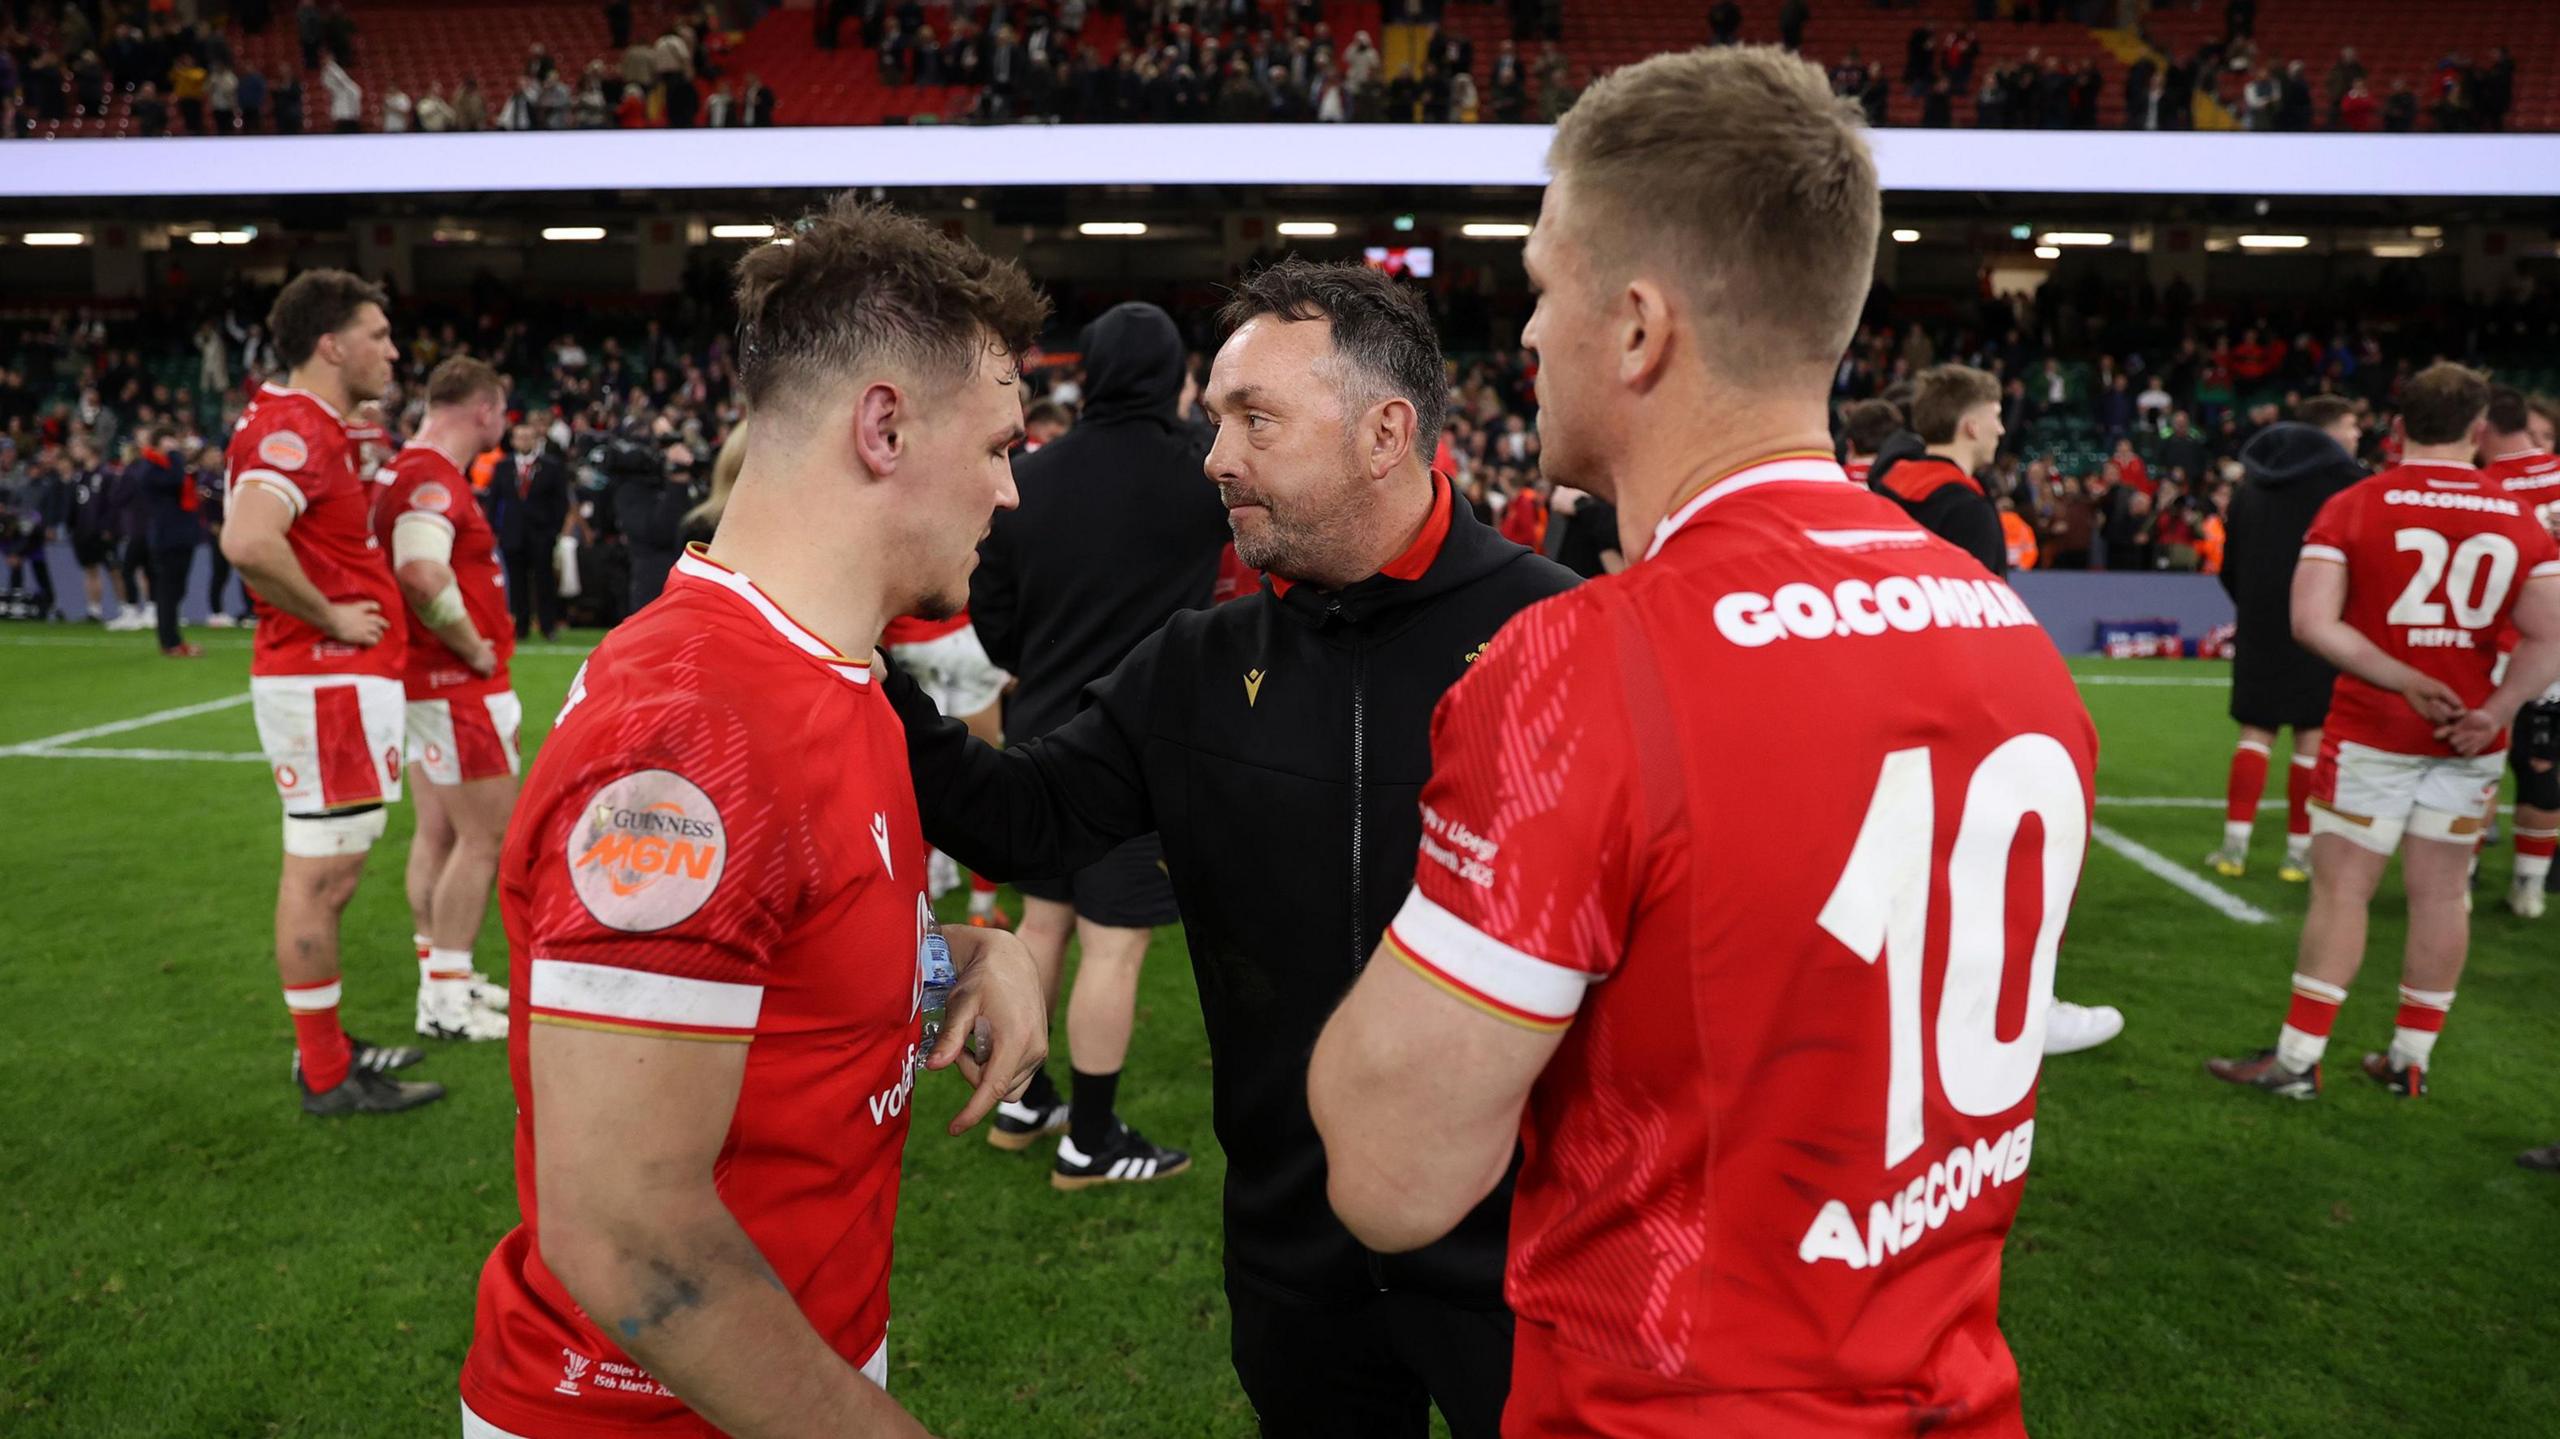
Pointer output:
x,y
647,851
284,449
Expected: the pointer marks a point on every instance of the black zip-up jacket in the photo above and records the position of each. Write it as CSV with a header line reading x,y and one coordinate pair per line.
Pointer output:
x,y
1943,500
1279,744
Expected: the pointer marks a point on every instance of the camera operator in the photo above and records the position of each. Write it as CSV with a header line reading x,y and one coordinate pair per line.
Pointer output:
x,y
650,492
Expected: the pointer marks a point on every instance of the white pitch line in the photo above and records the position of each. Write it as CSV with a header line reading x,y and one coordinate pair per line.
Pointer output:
x,y
2175,801
137,722
2213,896
163,755
2157,681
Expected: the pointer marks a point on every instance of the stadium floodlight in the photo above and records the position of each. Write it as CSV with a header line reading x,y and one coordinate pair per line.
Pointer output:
x,y
1312,229
205,237
2048,252
1494,230
573,232
54,237
742,232
2426,232
1129,229
2076,237
2403,250
221,237
1905,237
2275,242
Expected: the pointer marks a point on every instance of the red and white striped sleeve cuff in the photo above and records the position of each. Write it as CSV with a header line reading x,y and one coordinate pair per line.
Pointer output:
x,y
636,1001
281,484
1509,984
2331,553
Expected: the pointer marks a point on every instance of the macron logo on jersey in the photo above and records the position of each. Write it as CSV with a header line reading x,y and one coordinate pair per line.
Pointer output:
x,y
1904,603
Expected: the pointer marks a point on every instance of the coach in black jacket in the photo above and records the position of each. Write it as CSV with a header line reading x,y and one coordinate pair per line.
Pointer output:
x,y
528,505
1280,744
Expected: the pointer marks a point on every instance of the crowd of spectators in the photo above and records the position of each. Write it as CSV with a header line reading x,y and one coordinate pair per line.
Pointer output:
x,y
179,76
1179,60
2125,410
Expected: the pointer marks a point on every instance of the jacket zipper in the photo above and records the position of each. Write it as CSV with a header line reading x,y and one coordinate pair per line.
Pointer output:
x,y
1359,806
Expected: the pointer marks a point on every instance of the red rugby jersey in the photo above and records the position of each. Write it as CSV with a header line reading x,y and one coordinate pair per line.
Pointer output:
x,y
290,443
421,482
1783,823
718,842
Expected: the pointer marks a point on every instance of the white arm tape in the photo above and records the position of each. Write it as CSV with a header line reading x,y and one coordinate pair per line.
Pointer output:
x,y
445,608
420,536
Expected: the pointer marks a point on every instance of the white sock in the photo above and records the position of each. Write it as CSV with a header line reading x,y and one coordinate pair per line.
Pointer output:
x,y
983,901
2297,846
2298,1051
2236,832
445,966
2534,867
2413,1046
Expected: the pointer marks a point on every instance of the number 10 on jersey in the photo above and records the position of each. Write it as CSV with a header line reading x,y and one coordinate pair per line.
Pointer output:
x,y
1880,910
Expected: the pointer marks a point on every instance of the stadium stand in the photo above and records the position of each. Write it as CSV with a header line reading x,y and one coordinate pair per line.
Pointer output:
x,y
412,50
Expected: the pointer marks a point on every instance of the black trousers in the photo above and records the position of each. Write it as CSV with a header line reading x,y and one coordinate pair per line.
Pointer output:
x,y
221,581
169,569
533,591
1373,1370
132,560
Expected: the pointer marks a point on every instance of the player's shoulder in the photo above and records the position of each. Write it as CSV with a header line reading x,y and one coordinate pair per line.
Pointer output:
x,y
286,430
418,477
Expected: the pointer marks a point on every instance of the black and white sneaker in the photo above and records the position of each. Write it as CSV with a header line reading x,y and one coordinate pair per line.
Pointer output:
x,y
365,1058
366,1091
1129,1158
1018,1126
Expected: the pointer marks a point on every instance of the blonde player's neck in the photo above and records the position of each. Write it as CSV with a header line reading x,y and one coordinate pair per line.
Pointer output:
x,y
445,434
807,556
323,382
1690,441
2457,453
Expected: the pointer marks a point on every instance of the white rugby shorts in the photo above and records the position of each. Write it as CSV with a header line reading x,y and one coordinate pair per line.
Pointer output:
x,y
332,741
954,670
455,739
2373,796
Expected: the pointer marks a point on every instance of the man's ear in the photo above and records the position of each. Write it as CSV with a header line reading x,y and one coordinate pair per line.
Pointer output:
x,y
1643,332
1390,432
878,415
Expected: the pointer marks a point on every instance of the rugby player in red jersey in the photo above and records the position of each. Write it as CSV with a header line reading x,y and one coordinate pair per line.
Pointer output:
x,y
2404,584
325,667
1743,872
714,890
462,712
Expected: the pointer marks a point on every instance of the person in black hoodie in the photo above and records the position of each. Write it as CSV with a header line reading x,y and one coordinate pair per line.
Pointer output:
x,y
1279,744
1114,533
1956,411
2290,470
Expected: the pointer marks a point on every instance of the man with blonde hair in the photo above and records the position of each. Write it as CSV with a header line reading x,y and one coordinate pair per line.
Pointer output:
x,y
1686,828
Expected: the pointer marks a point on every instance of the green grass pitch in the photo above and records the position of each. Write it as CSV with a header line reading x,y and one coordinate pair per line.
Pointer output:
x,y
183,1253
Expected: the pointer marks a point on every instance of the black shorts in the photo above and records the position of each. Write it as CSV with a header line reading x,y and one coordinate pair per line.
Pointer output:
x,y
2536,740
91,548
1125,889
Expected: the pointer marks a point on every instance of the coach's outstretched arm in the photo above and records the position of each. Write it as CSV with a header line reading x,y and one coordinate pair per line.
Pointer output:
x,y
1045,807
253,541
627,1128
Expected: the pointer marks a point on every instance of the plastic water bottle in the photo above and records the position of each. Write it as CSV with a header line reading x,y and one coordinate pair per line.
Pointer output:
x,y
934,968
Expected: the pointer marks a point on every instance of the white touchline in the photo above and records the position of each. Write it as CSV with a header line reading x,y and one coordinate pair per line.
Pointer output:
x,y
2211,895
53,741
2158,681
2174,801
165,756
